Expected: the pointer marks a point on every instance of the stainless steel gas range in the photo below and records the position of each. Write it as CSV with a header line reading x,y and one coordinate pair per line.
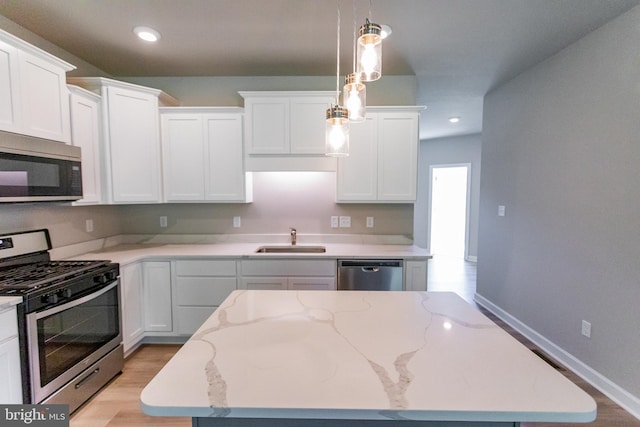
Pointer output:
x,y
69,323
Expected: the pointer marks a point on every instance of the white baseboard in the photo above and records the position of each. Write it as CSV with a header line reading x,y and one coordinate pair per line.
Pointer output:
x,y
616,393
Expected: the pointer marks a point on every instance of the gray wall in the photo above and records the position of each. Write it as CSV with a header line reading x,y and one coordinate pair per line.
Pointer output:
x,y
442,151
561,150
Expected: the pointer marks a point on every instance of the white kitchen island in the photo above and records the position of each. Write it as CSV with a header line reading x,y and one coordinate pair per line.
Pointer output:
x,y
316,358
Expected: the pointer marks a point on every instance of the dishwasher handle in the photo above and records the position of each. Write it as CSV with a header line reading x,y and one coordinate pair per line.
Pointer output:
x,y
370,269
366,264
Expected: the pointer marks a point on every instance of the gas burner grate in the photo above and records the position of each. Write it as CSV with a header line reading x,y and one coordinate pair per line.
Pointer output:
x,y
33,276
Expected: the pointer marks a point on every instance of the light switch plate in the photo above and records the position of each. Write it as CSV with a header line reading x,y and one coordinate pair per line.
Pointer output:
x,y
163,221
335,222
237,222
89,225
502,210
345,221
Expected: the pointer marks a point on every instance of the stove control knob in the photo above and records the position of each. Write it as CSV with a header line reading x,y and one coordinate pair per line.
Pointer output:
x,y
111,275
50,299
65,293
100,278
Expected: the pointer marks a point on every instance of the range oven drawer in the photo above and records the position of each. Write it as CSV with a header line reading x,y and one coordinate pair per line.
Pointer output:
x,y
92,379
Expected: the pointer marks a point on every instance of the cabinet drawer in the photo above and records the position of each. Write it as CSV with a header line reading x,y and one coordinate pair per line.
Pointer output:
x,y
206,268
204,291
191,318
271,267
8,324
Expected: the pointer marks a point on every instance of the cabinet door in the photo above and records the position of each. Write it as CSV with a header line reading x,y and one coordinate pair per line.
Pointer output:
x,y
45,99
263,283
11,384
10,108
397,156
134,146
307,125
132,305
224,176
183,157
415,275
357,173
311,283
157,296
85,133
267,125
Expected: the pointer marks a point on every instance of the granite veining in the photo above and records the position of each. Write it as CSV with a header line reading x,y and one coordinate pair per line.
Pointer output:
x,y
359,355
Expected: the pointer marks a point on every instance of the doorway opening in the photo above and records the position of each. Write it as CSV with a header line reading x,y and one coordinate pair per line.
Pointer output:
x,y
449,212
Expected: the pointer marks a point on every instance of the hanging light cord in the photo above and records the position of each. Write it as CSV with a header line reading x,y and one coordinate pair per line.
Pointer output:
x,y
338,57
353,3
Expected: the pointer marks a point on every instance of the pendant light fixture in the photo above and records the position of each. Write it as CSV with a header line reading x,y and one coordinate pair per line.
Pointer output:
x,y
337,125
369,51
354,92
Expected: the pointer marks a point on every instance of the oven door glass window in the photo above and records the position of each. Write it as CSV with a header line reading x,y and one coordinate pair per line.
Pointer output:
x,y
67,337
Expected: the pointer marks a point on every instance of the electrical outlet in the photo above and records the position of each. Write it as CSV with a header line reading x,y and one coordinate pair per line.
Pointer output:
x,y
335,222
586,329
163,221
89,225
369,222
502,210
345,222
237,222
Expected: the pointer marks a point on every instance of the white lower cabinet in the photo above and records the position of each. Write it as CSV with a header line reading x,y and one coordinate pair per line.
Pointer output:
x,y
11,384
288,274
200,287
131,289
415,275
157,296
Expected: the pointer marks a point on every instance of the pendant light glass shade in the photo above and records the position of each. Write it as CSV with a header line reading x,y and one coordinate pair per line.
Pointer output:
x,y
337,132
354,96
369,52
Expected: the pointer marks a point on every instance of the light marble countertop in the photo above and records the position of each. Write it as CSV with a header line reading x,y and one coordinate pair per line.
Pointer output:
x,y
129,253
360,355
7,302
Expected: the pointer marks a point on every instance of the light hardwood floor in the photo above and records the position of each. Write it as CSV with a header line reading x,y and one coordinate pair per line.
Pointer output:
x,y
118,404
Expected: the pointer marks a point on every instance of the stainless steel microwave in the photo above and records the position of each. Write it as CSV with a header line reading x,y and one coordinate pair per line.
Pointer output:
x,y
38,170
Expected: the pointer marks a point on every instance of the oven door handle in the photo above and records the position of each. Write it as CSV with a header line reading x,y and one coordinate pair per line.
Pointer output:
x,y
75,302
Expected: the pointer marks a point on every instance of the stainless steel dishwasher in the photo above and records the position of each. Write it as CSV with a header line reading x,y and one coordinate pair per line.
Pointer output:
x,y
370,275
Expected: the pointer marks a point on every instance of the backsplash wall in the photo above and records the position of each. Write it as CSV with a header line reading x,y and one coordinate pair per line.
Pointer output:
x,y
303,200
66,223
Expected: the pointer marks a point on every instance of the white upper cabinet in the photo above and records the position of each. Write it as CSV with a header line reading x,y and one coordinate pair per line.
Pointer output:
x,y
383,157
9,99
131,136
34,99
286,123
85,133
203,155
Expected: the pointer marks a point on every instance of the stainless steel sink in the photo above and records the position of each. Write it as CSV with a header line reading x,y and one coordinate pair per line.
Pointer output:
x,y
284,249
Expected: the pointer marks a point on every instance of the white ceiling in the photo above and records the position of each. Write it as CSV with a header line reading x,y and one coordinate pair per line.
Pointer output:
x,y
457,49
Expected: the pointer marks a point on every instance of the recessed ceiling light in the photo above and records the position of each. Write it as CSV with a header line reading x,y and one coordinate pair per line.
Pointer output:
x,y
147,34
385,30
454,119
